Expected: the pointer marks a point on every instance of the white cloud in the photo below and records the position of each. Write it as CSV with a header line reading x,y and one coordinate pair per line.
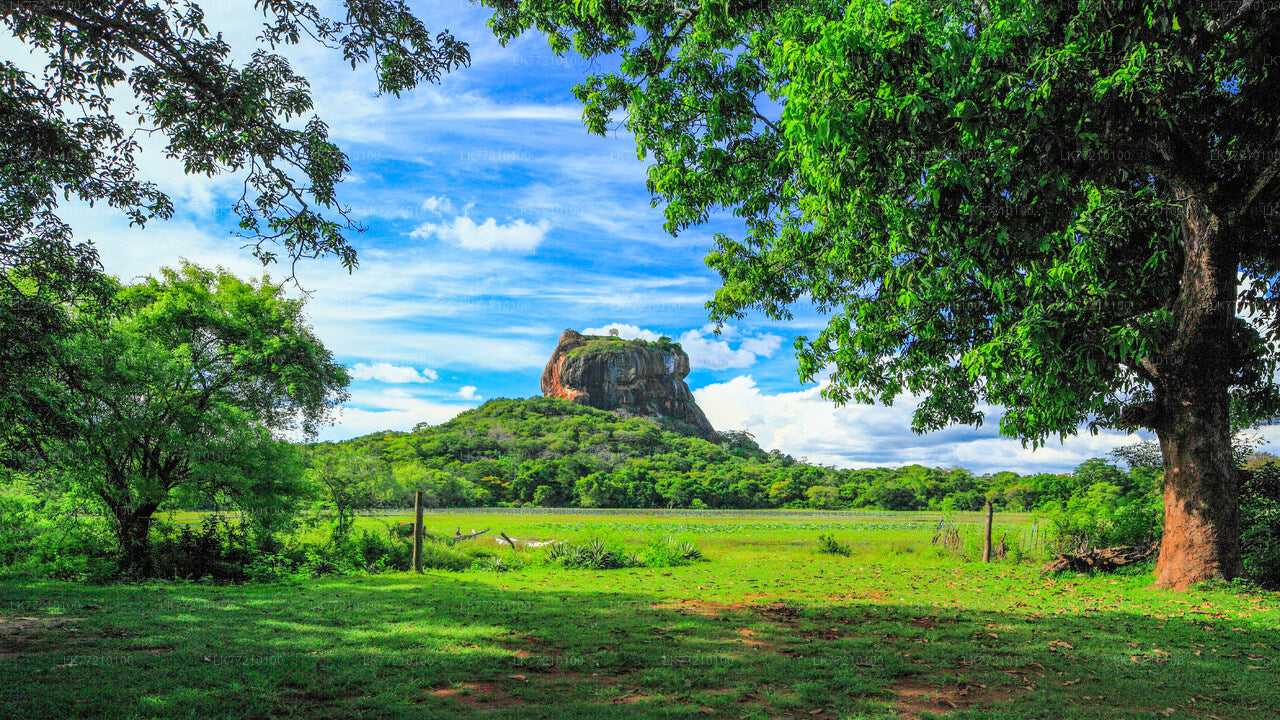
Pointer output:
x,y
806,425
630,332
388,373
557,113
705,353
391,410
520,236
438,205
468,392
763,345
714,354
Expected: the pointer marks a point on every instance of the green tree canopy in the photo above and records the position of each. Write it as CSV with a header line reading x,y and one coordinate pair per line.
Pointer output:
x,y
194,383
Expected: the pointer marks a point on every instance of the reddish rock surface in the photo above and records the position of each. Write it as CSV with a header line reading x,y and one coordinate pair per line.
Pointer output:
x,y
636,377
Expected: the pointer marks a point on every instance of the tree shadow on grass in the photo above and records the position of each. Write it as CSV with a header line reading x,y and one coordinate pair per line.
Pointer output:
x,y
449,646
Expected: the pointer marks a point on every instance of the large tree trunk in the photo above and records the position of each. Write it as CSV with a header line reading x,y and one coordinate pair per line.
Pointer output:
x,y
133,533
1201,496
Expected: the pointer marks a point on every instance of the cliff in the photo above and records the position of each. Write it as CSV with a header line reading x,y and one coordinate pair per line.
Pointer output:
x,y
633,376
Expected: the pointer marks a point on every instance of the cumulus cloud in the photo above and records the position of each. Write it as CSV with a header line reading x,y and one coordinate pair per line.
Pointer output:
x,y
518,236
707,353
391,409
804,424
764,345
630,332
468,392
395,374
438,205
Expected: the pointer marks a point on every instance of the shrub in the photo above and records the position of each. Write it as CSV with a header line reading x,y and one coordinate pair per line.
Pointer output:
x,y
384,552
217,549
593,553
1260,524
668,552
830,546
1103,517
52,539
269,568
445,557
497,563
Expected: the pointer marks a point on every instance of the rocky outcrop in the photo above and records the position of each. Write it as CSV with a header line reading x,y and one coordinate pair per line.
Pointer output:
x,y
630,376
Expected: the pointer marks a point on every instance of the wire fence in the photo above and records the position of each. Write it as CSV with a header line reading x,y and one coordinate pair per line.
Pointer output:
x,y
924,516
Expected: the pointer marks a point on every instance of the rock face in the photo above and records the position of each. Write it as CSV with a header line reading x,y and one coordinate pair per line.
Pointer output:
x,y
634,376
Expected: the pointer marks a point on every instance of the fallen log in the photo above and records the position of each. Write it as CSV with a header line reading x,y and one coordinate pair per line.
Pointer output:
x,y
459,537
1102,559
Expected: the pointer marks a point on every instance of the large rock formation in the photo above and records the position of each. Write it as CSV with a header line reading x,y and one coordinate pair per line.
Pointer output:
x,y
634,376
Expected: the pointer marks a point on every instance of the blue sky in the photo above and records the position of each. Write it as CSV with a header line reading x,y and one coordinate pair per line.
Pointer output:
x,y
495,222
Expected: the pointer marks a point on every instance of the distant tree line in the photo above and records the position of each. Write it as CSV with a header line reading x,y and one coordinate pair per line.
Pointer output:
x,y
553,453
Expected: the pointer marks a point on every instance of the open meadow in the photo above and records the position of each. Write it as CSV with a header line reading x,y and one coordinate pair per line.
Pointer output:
x,y
763,626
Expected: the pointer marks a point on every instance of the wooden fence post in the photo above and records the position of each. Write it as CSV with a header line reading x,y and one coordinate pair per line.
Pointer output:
x,y
986,536
417,531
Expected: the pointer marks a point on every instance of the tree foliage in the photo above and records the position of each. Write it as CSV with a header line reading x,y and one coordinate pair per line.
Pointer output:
x,y
62,136
984,197
190,388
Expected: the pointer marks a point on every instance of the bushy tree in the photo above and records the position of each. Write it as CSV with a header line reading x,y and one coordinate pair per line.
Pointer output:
x,y
192,385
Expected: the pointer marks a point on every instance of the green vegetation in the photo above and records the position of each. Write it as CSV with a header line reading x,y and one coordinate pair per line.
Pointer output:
x,y
595,553
612,344
1066,211
765,629
830,546
551,453
177,392
557,453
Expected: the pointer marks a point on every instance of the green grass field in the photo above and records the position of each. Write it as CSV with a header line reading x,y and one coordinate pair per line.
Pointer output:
x,y
764,628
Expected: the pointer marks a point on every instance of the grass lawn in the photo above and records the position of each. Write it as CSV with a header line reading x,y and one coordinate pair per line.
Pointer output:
x,y
765,628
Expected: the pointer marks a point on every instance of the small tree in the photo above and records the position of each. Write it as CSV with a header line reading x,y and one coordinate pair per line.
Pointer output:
x,y
190,385
348,476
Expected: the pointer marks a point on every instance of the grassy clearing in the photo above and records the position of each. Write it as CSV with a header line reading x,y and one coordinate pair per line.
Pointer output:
x,y
766,628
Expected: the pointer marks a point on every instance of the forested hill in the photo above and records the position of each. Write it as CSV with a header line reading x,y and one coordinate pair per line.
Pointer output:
x,y
551,452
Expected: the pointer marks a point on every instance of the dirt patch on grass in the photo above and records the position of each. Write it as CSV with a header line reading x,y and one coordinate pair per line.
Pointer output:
x,y
757,642
831,633
478,694
913,697
13,625
707,608
779,612
525,646
21,635
496,694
